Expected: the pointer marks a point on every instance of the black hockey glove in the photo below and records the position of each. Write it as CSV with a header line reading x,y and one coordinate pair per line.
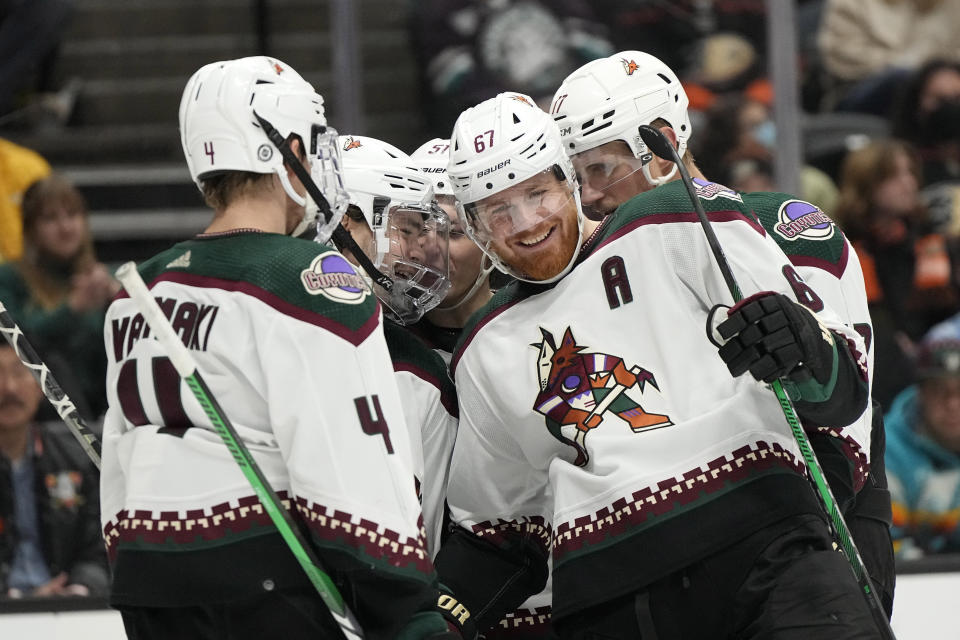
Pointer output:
x,y
773,337
457,617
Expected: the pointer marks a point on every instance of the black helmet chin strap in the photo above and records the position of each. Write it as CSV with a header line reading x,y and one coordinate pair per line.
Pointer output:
x,y
341,237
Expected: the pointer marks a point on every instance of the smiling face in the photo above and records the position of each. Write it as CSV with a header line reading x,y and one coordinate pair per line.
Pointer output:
x,y
532,226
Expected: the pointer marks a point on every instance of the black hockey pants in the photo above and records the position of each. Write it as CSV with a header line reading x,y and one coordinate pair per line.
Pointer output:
x,y
290,615
794,587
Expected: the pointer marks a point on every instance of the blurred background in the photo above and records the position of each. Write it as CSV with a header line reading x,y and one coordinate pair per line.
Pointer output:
x,y
853,105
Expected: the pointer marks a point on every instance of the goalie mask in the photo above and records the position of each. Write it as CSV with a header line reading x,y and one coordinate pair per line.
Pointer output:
x,y
219,130
515,188
609,99
409,232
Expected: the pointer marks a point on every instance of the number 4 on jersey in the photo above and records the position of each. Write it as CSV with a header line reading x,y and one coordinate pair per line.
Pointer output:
x,y
373,424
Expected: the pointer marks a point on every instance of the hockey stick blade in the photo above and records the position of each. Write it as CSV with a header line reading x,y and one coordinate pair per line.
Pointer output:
x,y
186,366
658,143
51,388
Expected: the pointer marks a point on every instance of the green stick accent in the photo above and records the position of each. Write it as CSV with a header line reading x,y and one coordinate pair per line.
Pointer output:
x,y
268,498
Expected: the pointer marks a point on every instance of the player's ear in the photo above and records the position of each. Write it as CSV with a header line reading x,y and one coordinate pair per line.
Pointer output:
x,y
665,164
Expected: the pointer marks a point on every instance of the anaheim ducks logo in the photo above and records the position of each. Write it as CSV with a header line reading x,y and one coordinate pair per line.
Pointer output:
x,y
522,99
350,143
629,66
577,390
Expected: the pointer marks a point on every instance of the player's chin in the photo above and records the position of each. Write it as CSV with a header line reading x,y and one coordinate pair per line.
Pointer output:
x,y
545,259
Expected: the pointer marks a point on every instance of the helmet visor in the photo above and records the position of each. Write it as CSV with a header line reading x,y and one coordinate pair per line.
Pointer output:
x,y
520,208
415,242
602,170
326,172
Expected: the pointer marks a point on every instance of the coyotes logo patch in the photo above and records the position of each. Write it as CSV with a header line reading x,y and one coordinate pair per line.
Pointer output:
x,y
583,389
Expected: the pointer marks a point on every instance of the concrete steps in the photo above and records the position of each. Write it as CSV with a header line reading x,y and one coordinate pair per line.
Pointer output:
x,y
133,57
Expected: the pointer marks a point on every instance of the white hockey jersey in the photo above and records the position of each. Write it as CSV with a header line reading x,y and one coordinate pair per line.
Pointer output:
x,y
596,415
430,406
290,341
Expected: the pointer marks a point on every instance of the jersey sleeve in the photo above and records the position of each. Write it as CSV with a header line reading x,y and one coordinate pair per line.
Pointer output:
x,y
496,556
758,264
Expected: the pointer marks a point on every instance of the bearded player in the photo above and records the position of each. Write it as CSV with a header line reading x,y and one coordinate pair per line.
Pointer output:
x,y
705,527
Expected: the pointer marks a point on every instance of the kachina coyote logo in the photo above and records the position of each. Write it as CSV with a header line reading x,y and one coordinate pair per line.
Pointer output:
x,y
582,389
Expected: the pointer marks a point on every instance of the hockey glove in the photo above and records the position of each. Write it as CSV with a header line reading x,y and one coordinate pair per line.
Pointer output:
x,y
773,337
457,616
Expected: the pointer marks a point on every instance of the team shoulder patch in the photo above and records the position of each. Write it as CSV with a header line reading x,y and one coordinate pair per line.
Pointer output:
x,y
712,190
799,219
332,276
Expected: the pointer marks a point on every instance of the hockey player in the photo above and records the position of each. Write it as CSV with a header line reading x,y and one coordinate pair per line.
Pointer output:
x,y
598,423
469,269
393,218
441,328
599,108
289,338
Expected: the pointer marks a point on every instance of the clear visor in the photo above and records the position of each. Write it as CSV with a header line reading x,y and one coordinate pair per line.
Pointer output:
x,y
413,249
600,169
519,209
326,172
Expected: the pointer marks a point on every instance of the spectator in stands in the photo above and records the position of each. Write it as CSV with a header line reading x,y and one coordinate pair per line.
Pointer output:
x,y
674,31
908,268
30,35
470,50
928,115
19,168
923,454
869,46
50,541
58,292
738,148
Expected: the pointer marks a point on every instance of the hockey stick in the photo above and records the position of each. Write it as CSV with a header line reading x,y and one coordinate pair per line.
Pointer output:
x,y
340,236
51,388
186,366
658,144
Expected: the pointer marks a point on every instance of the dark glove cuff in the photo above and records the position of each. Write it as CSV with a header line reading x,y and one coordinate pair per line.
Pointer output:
x,y
803,386
457,615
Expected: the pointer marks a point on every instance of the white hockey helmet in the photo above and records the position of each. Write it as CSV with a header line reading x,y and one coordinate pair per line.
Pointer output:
x,y
431,158
498,144
609,98
410,232
219,131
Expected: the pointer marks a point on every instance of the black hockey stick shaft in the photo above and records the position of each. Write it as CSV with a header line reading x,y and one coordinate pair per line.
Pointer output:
x,y
186,366
657,142
51,388
341,236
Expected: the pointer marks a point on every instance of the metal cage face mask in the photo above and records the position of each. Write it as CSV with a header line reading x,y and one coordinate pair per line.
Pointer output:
x,y
326,172
412,247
